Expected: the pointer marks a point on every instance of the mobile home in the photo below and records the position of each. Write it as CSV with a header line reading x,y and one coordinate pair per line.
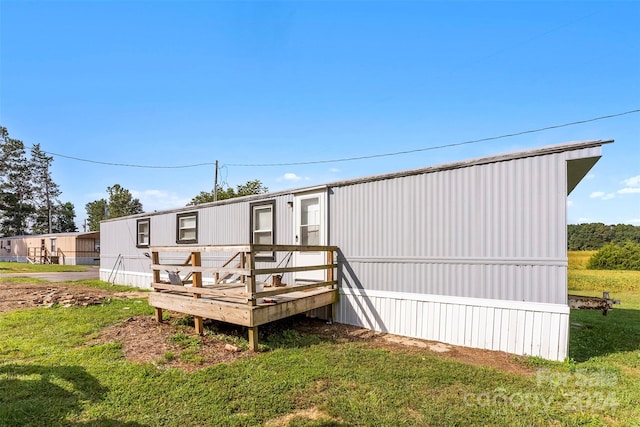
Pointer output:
x,y
472,253
57,248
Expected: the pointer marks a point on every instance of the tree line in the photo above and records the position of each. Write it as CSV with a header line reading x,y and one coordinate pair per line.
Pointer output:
x,y
29,197
593,236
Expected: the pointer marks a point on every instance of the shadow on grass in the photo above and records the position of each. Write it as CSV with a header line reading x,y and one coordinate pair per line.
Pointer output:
x,y
290,332
35,395
593,335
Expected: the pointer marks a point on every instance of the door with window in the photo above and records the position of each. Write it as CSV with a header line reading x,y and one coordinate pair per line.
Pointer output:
x,y
310,229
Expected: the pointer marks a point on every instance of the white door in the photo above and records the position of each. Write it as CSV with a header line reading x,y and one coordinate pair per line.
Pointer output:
x,y
310,229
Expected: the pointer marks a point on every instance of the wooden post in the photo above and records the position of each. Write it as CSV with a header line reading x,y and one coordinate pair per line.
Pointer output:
x,y
251,278
243,264
329,262
329,279
251,285
196,261
253,338
155,259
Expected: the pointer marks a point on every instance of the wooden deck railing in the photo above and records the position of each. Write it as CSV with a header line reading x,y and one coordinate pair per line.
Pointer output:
x,y
244,272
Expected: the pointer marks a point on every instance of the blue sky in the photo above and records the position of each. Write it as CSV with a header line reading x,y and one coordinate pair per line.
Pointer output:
x,y
179,83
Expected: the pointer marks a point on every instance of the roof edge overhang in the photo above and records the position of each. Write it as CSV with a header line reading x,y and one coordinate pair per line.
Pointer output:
x,y
542,151
577,169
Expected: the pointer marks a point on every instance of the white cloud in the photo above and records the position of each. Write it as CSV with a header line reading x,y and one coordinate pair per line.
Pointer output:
x,y
635,221
590,176
569,203
602,195
629,190
634,181
583,220
334,170
292,177
155,200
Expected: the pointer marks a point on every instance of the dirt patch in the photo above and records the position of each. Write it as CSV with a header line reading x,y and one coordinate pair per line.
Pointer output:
x,y
144,340
175,344
309,414
26,295
346,333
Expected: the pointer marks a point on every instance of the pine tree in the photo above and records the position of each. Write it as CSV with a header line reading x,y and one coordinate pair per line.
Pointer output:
x,y
46,191
16,186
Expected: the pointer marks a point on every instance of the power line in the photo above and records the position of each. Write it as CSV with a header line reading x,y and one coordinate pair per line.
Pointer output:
x,y
436,147
129,165
346,159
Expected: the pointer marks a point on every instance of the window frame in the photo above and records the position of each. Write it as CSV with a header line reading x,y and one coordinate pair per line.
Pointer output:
x,y
263,256
142,221
186,215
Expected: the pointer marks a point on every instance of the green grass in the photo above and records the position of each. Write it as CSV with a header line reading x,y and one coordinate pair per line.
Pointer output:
x,y
50,375
23,267
599,280
99,284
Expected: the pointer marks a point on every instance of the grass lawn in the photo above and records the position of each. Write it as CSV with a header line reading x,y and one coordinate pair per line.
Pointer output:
x,y
50,374
25,267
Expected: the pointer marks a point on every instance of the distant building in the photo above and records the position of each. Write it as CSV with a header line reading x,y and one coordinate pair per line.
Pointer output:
x,y
54,248
472,253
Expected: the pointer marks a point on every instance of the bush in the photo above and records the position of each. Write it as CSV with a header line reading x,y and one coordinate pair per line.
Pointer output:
x,y
614,256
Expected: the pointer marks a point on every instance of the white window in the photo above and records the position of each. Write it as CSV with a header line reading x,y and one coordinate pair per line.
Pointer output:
x,y
310,221
263,227
143,233
187,228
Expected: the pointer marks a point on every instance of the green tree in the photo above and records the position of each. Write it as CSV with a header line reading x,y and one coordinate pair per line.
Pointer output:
x,y
593,236
616,256
249,188
16,188
120,203
45,190
96,212
64,218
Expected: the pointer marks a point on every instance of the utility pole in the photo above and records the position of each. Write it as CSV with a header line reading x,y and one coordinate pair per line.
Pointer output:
x,y
215,184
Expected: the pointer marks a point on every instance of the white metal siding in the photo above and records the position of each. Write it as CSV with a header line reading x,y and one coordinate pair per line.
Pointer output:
x,y
513,327
217,224
495,230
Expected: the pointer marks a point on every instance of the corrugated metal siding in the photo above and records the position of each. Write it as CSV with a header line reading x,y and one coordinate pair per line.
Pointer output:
x,y
496,230
217,225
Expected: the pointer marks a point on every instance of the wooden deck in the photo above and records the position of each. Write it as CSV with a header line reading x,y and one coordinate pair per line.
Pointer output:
x,y
235,296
